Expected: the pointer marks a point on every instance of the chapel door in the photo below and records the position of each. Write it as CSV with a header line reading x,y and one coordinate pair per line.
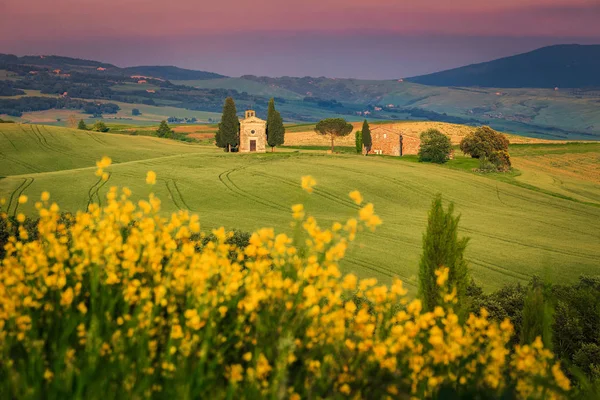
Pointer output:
x,y
253,145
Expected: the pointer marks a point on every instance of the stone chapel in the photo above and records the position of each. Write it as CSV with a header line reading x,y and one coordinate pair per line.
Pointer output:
x,y
253,134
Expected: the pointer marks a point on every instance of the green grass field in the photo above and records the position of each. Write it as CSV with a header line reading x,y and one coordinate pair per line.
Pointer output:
x,y
518,226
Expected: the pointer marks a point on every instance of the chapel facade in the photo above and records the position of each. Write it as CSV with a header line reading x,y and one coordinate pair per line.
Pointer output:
x,y
253,134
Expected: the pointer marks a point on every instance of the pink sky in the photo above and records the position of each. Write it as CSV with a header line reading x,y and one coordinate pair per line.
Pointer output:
x,y
28,19
306,37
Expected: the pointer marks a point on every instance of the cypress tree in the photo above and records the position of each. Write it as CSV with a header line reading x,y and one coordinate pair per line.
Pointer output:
x,y
218,138
366,137
229,127
537,317
275,128
358,141
442,248
164,131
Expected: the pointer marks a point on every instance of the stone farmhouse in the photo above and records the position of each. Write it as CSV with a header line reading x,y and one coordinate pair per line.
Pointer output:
x,y
389,142
253,134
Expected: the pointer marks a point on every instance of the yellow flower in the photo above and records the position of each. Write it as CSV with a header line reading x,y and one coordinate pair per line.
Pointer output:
x,y
48,375
308,182
366,212
82,308
262,367
104,162
562,381
298,211
66,298
235,373
222,311
442,275
345,389
247,356
22,199
349,282
151,178
357,197
45,196
21,218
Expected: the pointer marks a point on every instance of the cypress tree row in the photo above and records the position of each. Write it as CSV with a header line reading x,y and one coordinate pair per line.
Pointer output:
x,y
275,128
227,133
442,248
366,137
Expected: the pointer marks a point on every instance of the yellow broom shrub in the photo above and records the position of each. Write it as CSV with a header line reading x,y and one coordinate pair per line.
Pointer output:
x,y
120,302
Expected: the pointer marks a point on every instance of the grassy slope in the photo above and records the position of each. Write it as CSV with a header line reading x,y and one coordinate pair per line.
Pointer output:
x,y
516,232
242,85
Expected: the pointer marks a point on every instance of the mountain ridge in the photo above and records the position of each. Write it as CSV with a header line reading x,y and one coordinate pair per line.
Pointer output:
x,y
562,66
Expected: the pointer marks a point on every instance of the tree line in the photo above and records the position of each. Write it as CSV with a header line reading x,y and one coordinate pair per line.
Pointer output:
x,y
16,107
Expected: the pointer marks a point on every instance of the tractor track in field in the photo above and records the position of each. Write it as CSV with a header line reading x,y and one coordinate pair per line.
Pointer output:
x,y
12,195
173,191
94,190
17,193
91,191
10,141
225,178
499,269
180,195
97,191
95,138
529,245
582,213
400,183
317,191
51,147
20,162
35,135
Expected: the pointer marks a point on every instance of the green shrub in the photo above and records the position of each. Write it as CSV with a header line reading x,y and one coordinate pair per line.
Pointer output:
x,y
483,142
100,126
501,160
435,147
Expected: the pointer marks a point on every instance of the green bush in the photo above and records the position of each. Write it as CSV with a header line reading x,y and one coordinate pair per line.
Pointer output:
x,y
483,142
501,160
100,126
435,147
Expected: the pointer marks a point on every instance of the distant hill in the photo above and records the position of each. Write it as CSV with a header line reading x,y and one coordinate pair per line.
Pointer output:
x,y
68,64
172,73
54,62
563,66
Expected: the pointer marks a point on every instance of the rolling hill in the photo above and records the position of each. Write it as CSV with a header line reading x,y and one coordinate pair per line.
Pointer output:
x,y
563,66
170,72
69,64
544,232
566,114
